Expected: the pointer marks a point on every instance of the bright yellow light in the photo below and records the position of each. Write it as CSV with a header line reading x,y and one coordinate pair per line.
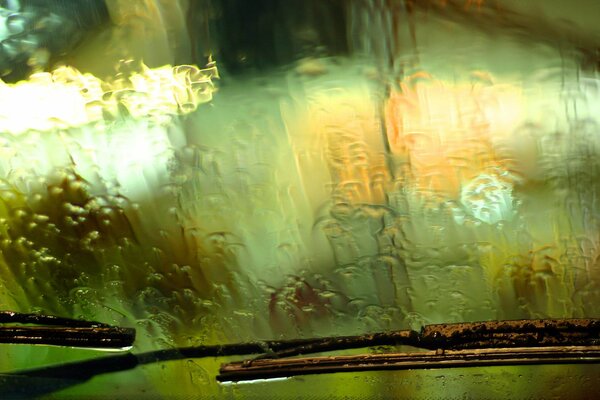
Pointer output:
x,y
66,97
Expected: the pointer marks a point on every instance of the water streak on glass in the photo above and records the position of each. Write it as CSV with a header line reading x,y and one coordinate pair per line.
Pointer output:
x,y
220,171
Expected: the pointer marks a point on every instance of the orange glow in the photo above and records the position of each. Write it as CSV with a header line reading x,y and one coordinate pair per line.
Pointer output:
x,y
445,133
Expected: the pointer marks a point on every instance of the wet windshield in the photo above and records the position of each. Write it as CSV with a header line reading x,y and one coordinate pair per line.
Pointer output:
x,y
215,172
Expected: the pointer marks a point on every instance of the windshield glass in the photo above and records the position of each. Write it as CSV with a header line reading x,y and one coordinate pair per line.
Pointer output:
x,y
212,172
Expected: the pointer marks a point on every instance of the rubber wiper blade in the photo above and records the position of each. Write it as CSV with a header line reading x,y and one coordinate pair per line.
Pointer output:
x,y
450,345
289,367
50,330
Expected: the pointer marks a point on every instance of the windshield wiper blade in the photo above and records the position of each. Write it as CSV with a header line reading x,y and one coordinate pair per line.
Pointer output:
x,y
288,367
466,335
58,331
482,343
451,345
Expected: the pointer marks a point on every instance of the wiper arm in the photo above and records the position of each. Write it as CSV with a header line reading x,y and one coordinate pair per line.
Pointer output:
x,y
521,333
57,331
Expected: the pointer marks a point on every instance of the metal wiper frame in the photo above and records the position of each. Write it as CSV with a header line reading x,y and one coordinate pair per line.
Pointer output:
x,y
57,331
